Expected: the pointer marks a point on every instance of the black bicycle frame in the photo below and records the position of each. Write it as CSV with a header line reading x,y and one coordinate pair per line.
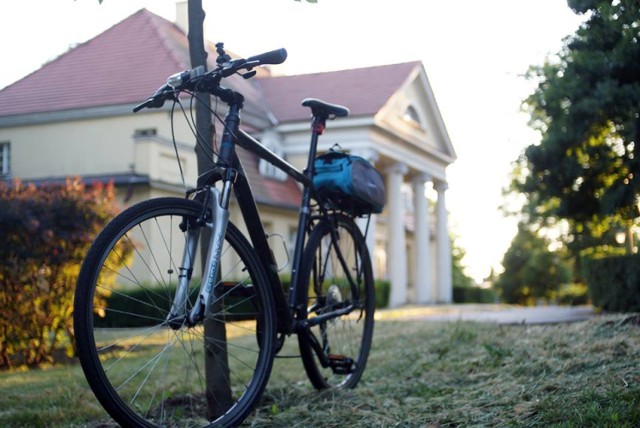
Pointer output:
x,y
230,169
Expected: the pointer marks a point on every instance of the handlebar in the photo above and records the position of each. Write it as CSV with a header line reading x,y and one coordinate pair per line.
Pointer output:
x,y
272,57
197,80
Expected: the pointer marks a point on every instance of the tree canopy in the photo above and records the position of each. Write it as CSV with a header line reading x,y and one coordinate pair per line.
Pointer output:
x,y
586,105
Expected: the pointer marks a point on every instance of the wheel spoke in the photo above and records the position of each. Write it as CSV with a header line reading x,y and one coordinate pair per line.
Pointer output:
x,y
340,276
128,349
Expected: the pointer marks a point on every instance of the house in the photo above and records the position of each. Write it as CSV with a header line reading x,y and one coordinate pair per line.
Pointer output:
x,y
72,117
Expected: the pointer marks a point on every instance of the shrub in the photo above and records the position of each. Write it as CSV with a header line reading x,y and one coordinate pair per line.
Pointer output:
x,y
473,295
573,294
383,290
140,302
136,307
614,282
45,234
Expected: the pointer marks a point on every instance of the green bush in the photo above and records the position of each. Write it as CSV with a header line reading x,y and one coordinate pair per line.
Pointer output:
x,y
383,290
573,294
149,304
139,307
473,295
614,282
145,308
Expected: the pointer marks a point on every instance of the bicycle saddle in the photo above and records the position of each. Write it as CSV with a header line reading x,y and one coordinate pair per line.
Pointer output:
x,y
323,109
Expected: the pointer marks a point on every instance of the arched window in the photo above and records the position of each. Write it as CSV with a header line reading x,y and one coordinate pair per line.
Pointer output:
x,y
411,115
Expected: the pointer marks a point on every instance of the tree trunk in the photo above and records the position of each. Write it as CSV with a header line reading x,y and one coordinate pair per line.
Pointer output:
x,y
216,365
198,56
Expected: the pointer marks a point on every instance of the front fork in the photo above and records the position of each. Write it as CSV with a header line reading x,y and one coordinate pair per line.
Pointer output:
x,y
179,314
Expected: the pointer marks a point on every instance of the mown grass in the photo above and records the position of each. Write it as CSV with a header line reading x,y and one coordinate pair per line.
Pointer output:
x,y
420,374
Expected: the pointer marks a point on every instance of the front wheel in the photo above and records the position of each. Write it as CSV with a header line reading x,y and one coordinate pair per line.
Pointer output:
x,y
337,266
148,368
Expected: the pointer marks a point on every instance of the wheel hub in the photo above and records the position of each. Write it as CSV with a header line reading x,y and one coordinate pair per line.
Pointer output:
x,y
334,296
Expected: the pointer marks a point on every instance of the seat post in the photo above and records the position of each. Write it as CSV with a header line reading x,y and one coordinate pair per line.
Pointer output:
x,y
320,111
318,124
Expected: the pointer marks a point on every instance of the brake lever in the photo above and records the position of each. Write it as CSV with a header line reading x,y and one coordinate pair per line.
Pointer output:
x,y
249,74
157,100
142,105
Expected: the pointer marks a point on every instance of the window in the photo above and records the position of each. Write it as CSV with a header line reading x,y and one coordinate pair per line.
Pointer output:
x,y
5,159
148,132
411,115
271,141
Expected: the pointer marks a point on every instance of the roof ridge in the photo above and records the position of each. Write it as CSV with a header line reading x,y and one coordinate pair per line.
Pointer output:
x,y
342,70
155,20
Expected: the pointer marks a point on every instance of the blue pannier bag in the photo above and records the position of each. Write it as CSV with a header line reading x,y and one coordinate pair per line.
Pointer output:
x,y
350,182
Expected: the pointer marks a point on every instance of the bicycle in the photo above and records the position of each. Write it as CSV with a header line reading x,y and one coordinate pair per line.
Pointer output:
x,y
198,351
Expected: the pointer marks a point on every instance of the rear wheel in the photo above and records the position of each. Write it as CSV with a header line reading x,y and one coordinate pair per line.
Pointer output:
x,y
337,264
146,371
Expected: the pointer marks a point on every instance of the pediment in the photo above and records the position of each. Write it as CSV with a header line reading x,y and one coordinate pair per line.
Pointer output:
x,y
412,114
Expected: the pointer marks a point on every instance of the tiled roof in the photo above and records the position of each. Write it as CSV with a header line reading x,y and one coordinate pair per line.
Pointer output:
x,y
270,191
363,90
127,62
123,65
119,66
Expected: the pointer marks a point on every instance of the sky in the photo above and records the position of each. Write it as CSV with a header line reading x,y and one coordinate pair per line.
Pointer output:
x,y
474,52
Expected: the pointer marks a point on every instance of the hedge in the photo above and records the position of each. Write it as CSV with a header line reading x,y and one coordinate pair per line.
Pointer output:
x,y
143,301
473,295
614,282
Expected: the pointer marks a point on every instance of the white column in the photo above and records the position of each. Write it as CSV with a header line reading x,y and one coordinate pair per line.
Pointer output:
x,y
443,244
396,251
422,266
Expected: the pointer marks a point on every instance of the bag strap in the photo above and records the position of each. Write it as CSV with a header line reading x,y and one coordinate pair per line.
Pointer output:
x,y
335,152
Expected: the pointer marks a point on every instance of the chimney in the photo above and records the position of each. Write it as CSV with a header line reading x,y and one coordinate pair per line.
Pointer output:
x,y
182,15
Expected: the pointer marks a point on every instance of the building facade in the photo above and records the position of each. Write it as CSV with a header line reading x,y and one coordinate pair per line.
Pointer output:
x,y
73,117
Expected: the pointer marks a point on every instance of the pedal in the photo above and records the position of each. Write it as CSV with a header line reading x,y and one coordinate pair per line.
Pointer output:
x,y
341,365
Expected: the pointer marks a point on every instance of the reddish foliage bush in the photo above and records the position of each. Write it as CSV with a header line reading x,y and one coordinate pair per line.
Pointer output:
x,y
45,233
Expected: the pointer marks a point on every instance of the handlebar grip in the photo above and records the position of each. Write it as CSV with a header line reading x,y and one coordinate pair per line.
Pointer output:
x,y
156,100
142,105
273,57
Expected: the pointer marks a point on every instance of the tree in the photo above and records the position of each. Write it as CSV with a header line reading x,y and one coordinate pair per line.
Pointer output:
x,y
586,168
459,277
531,270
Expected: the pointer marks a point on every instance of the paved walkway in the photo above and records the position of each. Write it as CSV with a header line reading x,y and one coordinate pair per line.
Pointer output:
x,y
496,313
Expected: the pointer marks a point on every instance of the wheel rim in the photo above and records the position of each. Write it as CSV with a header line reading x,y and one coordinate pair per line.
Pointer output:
x,y
347,337
153,372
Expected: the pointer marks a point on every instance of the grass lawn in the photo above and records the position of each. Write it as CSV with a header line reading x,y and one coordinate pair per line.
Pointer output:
x,y
420,374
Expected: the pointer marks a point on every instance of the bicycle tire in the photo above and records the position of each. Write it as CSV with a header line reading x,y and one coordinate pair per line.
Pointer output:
x,y
142,371
347,338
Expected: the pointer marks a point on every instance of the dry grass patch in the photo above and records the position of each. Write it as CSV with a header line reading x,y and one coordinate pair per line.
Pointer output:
x,y
420,374
445,374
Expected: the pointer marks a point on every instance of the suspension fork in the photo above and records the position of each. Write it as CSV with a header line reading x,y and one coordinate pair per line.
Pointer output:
x,y
177,314
218,202
219,221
